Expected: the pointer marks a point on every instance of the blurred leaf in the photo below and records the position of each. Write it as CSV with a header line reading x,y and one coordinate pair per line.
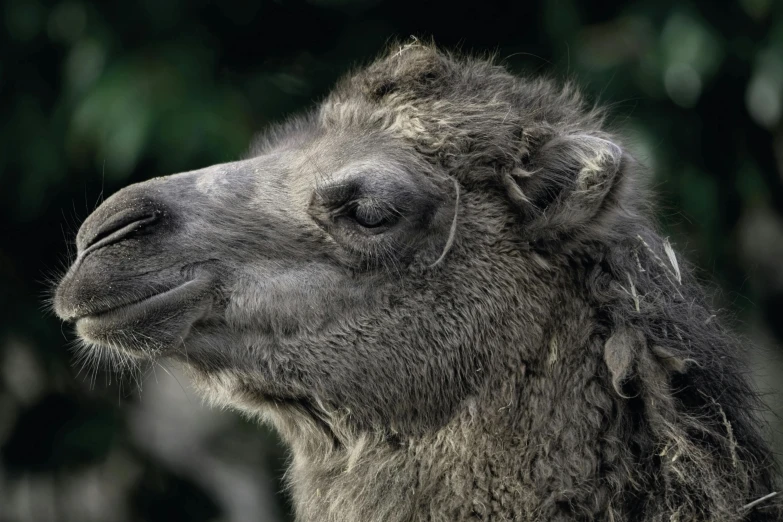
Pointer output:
x,y
66,21
691,55
764,96
23,19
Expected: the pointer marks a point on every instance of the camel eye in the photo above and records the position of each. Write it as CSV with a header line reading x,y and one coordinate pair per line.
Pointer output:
x,y
372,216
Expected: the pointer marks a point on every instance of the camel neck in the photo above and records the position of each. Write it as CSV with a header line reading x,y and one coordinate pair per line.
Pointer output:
x,y
495,460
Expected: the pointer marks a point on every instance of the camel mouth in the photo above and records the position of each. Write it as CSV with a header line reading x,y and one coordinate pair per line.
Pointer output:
x,y
150,324
138,306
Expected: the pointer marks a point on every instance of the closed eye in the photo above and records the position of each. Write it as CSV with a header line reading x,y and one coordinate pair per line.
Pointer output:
x,y
373,214
362,207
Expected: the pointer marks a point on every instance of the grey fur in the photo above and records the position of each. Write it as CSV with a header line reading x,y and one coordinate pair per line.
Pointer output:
x,y
553,365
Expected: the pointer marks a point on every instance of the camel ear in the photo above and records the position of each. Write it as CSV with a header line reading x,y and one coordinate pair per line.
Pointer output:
x,y
563,182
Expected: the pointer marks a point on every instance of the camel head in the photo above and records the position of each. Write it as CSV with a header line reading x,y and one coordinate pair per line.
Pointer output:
x,y
442,288
386,255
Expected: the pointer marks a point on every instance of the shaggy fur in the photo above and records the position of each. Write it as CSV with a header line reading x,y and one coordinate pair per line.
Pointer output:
x,y
442,286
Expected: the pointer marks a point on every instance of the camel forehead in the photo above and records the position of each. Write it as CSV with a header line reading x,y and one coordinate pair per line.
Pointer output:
x,y
385,95
331,152
396,115
441,105
419,100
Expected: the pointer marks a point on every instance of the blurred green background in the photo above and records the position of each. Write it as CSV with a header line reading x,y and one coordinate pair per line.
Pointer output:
x,y
97,95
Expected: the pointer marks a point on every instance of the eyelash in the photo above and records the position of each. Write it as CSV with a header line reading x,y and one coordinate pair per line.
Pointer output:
x,y
359,213
371,214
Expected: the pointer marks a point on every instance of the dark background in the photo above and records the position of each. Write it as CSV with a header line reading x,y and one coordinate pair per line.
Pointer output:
x,y
96,95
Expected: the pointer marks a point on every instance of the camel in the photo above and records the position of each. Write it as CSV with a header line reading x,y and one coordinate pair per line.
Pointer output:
x,y
444,288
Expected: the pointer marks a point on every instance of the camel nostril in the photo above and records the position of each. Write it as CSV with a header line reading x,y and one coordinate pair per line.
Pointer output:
x,y
118,227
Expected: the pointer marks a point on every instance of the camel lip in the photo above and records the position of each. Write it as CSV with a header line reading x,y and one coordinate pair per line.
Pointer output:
x,y
132,309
